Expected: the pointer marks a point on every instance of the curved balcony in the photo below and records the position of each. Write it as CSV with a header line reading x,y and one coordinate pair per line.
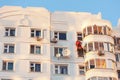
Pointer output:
x,y
97,30
108,73
101,38
94,54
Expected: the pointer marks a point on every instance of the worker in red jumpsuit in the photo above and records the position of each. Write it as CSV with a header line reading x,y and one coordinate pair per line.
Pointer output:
x,y
79,48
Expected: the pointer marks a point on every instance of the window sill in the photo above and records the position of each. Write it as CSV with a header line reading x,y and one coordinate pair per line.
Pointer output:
x,y
10,36
62,40
62,74
35,54
8,71
81,74
9,53
34,72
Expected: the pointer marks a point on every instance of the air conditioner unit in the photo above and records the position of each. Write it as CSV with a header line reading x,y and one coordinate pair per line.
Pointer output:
x,y
54,40
38,38
100,53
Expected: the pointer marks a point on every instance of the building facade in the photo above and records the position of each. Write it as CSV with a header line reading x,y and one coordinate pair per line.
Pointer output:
x,y
36,44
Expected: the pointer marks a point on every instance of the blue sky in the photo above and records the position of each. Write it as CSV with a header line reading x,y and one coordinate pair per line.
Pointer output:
x,y
110,9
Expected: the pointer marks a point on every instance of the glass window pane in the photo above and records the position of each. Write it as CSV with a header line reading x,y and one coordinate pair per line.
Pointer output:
x,y
92,64
95,29
11,49
93,78
37,67
55,51
104,29
4,65
101,46
90,45
62,36
12,32
32,33
32,49
84,32
10,65
96,46
81,70
79,36
63,69
60,51
89,30
6,34
100,78
99,30
38,49
5,50
38,33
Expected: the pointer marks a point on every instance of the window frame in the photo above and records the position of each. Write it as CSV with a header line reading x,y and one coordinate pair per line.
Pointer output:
x,y
34,33
97,30
79,35
117,55
34,66
35,49
58,51
57,35
7,48
57,67
8,32
6,66
94,65
95,46
81,71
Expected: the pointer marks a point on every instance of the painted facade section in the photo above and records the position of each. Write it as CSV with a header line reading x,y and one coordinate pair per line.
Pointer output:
x,y
36,44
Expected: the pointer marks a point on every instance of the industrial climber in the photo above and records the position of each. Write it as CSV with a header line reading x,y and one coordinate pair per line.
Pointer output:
x,y
79,48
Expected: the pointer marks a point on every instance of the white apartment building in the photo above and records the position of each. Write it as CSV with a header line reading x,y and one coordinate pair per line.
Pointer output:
x,y
36,44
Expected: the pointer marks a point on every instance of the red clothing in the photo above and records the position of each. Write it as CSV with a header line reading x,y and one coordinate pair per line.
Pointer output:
x,y
78,45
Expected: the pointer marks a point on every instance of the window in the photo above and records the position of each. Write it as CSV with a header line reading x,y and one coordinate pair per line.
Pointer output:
x,y
35,67
9,48
104,29
59,50
100,63
60,35
90,45
35,33
61,69
98,46
111,64
95,29
7,65
79,36
117,57
9,31
118,74
117,40
96,63
92,64
89,30
93,78
81,70
34,49
84,32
